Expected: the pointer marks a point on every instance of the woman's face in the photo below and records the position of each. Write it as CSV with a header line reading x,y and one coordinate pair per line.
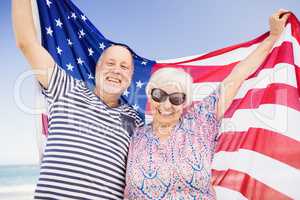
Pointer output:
x,y
165,112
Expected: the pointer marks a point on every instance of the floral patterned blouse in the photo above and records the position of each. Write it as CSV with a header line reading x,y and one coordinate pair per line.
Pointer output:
x,y
179,167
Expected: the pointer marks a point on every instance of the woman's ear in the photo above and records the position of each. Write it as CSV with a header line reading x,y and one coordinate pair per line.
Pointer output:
x,y
148,91
185,107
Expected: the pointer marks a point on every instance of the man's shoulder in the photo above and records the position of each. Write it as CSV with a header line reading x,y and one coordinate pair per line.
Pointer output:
x,y
129,111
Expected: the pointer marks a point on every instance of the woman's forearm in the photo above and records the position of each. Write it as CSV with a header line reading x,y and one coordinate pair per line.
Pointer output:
x,y
254,60
232,83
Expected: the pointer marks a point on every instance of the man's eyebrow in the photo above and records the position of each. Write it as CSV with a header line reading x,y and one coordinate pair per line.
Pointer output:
x,y
125,62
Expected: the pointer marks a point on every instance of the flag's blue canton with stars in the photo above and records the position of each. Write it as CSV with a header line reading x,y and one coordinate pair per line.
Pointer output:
x,y
76,44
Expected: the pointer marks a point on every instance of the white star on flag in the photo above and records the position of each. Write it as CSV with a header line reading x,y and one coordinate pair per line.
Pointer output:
x,y
48,2
126,93
144,63
70,67
49,31
80,61
69,42
81,33
90,76
58,23
139,84
73,15
91,52
83,17
102,46
135,107
59,50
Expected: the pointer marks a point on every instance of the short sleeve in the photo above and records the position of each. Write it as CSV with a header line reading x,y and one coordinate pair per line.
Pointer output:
x,y
131,120
60,82
207,107
139,122
202,119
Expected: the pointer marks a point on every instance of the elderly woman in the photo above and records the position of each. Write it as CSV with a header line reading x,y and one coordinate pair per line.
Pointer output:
x,y
171,157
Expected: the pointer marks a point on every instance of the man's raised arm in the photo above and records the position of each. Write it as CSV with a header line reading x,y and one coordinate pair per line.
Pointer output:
x,y
27,41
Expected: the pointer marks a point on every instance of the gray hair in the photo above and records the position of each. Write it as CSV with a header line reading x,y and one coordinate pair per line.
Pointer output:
x,y
170,75
120,45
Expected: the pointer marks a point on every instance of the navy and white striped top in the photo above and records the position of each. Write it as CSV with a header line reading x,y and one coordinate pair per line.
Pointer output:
x,y
87,146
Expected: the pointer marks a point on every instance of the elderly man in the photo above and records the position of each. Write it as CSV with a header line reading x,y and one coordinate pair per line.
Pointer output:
x,y
86,150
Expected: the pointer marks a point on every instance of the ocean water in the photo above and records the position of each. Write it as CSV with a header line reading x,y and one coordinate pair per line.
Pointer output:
x,y
18,182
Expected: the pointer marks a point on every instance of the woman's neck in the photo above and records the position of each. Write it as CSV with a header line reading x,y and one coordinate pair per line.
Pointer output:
x,y
163,130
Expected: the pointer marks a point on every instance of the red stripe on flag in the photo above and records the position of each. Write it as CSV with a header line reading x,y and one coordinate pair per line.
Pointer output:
x,y
281,54
297,69
202,73
295,24
45,124
246,185
227,49
262,140
295,33
276,93
217,73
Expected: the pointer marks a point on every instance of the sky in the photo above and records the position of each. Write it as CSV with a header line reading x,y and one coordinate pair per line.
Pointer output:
x,y
156,29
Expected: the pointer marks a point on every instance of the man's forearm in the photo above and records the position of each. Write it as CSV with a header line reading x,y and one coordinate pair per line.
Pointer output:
x,y
23,23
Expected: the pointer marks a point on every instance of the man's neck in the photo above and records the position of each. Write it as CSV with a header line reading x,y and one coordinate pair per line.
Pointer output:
x,y
109,99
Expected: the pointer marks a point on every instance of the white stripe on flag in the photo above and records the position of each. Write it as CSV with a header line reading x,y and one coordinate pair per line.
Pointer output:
x,y
237,54
274,117
281,73
241,53
226,194
271,172
181,59
226,58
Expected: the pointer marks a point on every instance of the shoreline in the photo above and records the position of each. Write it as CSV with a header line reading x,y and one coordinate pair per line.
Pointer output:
x,y
17,192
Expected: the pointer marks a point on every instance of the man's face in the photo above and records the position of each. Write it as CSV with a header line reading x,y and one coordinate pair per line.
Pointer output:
x,y
114,70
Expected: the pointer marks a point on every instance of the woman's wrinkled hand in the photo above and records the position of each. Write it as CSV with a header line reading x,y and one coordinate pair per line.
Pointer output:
x,y
277,22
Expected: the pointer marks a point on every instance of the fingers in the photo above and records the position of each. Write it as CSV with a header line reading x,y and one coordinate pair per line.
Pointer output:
x,y
280,16
285,17
277,21
281,13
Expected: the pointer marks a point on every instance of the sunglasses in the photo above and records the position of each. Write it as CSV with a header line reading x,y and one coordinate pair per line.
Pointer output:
x,y
176,98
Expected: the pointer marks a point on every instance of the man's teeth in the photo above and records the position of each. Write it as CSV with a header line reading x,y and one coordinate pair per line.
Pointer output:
x,y
166,113
115,80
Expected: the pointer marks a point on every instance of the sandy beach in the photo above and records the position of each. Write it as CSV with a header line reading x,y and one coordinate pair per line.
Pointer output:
x,y
18,192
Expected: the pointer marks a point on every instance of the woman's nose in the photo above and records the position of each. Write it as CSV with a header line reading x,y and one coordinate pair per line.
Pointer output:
x,y
167,104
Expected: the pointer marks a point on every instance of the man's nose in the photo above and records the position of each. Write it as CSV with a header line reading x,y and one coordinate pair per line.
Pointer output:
x,y
116,70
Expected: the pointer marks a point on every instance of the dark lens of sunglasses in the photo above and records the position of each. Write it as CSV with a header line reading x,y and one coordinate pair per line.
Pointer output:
x,y
177,98
158,95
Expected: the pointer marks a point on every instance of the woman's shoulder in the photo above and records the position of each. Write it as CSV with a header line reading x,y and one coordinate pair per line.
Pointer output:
x,y
141,132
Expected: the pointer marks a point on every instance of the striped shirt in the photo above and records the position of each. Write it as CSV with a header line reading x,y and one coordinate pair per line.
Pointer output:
x,y
87,146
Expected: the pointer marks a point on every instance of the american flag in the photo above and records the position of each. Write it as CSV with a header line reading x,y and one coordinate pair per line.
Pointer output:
x,y
258,151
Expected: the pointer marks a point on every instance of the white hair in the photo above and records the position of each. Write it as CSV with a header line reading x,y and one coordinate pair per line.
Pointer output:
x,y
100,59
170,75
